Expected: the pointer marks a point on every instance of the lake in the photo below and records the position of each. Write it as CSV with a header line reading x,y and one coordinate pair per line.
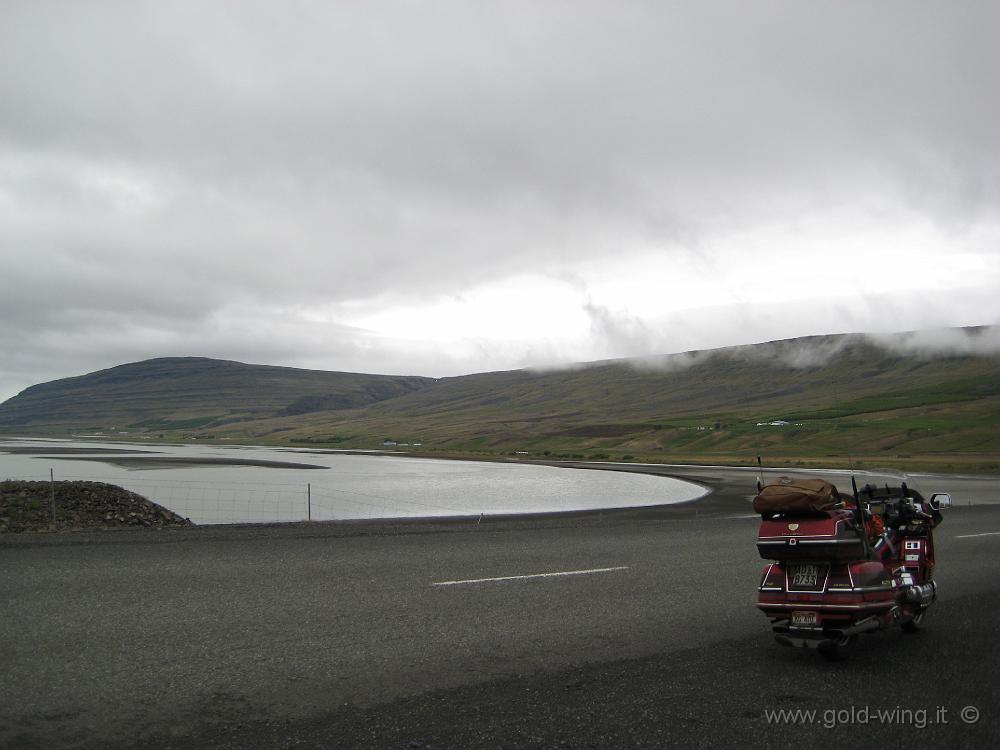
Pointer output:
x,y
246,484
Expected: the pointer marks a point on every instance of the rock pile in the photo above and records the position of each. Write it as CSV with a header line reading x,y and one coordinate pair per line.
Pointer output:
x,y
27,506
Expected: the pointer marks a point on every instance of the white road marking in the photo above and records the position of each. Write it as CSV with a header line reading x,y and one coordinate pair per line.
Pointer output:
x,y
969,536
533,575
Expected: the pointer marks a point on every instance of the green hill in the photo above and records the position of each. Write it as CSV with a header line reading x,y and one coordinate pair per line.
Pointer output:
x,y
184,393
817,399
840,396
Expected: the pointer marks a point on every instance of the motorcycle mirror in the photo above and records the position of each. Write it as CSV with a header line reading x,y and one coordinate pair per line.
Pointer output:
x,y
940,500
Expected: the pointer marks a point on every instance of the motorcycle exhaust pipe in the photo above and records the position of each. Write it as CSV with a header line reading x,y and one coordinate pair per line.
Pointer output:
x,y
864,626
923,595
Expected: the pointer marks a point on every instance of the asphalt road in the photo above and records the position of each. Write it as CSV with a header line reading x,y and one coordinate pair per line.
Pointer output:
x,y
363,636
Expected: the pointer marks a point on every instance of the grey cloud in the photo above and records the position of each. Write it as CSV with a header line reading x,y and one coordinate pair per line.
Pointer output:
x,y
561,100
164,164
686,338
618,335
976,341
805,354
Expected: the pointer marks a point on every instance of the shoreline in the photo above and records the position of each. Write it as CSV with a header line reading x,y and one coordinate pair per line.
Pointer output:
x,y
971,464
728,491
721,498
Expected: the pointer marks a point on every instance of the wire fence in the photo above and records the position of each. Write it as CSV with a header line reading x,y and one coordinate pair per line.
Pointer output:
x,y
229,502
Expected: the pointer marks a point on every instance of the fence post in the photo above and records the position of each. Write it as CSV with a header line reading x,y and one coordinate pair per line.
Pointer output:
x,y
52,494
309,502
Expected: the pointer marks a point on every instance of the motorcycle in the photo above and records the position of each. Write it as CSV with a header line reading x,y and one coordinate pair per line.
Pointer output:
x,y
840,566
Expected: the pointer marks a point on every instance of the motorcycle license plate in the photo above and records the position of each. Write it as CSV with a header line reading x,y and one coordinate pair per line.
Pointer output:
x,y
805,575
804,618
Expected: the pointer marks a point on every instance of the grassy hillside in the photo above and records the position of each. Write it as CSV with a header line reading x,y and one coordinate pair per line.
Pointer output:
x,y
841,398
187,393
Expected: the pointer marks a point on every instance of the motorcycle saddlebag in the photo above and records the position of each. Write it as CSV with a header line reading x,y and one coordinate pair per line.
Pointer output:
x,y
796,495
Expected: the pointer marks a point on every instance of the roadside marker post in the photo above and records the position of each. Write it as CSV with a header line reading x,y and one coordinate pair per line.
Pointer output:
x,y
52,494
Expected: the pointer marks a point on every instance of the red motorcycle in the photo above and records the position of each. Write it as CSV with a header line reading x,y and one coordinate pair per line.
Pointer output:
x,y
842,566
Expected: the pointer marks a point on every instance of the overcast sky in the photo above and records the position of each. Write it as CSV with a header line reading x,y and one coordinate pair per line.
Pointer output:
x,y
438,188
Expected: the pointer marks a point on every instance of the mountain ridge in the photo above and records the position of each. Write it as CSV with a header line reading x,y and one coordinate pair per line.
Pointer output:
x,y
836,394
174,389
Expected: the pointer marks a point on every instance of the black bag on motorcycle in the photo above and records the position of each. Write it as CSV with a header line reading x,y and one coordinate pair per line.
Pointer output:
x,y
796,495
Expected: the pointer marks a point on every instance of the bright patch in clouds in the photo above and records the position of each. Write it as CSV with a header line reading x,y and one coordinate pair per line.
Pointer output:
x,y
812,266
522,307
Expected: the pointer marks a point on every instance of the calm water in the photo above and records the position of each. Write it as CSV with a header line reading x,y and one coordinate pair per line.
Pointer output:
x,y
346,487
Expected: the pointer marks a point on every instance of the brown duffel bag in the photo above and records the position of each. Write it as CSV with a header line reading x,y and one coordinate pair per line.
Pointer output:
x,y
791,494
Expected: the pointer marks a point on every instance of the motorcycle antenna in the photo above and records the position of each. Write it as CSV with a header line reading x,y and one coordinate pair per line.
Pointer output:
x,y
859,515
760,474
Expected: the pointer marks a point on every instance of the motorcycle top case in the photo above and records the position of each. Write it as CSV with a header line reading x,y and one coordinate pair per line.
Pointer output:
x,y
829,536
